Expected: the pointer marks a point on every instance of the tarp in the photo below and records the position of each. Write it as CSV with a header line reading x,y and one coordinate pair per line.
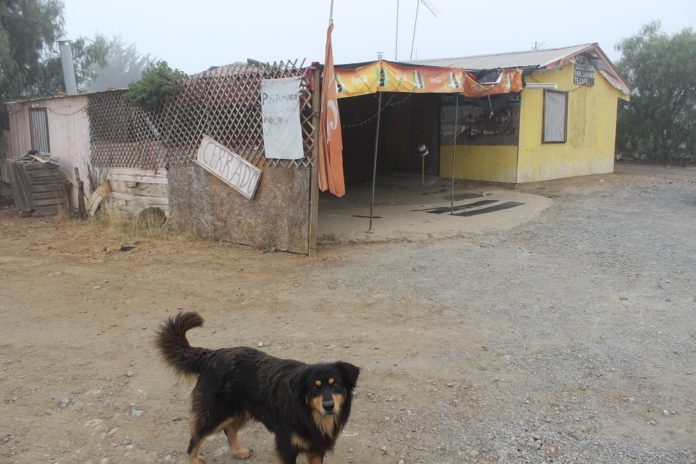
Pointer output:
x,y
387,76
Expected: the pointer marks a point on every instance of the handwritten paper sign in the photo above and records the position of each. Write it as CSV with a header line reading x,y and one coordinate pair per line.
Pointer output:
x,y
280,111
228,166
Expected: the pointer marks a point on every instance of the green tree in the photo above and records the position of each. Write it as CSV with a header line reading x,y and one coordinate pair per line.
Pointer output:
x,y
123,66
158,85
28,31
88,55
660,120
29,57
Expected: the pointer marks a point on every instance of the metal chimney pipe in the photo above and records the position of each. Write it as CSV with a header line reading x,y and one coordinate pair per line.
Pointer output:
x,y
66,61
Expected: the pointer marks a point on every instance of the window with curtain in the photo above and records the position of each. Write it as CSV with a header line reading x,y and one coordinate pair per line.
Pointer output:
x,y
555,117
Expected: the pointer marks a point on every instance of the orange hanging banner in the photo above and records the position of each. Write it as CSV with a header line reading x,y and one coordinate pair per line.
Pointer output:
x,y
362,80
508,81
420,79
330,172
386,76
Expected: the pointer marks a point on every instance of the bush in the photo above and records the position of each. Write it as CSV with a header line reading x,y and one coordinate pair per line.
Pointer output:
x,y
158,85
660,120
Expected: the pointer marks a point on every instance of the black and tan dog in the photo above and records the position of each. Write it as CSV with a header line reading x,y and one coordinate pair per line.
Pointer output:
x,y
304,405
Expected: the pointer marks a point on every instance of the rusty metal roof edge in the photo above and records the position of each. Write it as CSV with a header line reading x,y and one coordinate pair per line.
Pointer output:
x,y
570,52
59,97
521,52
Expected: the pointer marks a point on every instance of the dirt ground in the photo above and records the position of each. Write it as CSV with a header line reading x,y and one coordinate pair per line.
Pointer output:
x,y
569,339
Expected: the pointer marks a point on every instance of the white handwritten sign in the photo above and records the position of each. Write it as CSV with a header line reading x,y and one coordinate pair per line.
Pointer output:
x,y
280,111
229,167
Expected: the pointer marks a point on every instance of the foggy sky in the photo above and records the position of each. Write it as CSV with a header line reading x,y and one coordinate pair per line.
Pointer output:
x,y
194,35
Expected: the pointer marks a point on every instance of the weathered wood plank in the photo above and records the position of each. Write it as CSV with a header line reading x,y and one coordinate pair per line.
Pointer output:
x,y
141,189
51,187
133,207
46,195
137,175
136,178
150,201
136,171
48,202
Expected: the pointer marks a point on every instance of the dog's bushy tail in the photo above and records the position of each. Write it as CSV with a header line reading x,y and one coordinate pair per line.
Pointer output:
x,y
174,347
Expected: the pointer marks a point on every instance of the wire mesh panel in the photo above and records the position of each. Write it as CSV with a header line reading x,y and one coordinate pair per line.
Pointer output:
x,y
223,103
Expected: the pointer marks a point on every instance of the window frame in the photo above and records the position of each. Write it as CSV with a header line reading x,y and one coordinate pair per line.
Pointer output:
x,y
565,118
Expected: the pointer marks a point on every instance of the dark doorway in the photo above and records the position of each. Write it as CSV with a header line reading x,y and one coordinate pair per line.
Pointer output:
x,y
407,121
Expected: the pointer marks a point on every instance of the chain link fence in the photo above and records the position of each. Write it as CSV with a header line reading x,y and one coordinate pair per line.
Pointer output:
x,y
223,103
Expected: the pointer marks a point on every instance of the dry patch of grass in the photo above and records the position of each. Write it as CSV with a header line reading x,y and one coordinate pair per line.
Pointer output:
x,y
113,224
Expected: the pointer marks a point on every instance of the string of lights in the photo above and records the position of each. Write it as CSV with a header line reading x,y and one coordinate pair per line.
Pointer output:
x,y
50,110
389,104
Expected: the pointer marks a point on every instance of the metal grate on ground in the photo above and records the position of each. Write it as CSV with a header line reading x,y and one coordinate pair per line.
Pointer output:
x,y
223,103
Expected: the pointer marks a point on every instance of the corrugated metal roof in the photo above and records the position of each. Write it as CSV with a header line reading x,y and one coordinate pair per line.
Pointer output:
x,y
538,58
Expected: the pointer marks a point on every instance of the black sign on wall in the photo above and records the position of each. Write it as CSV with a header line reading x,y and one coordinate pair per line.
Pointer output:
x,y
584,71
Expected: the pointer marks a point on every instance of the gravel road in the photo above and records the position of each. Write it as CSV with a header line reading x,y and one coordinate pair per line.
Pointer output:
x,y
569,339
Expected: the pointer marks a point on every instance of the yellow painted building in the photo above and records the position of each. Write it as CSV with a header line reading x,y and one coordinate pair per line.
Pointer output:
x,y
563,124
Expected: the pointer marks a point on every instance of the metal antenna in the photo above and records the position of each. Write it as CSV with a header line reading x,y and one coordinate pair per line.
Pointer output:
x,y
396,40
431,7
432,10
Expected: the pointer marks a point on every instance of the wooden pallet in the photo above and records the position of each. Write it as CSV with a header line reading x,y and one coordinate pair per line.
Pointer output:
x,y
37,186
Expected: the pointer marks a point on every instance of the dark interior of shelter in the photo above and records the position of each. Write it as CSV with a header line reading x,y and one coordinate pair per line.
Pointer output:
x,y
407,121
411,120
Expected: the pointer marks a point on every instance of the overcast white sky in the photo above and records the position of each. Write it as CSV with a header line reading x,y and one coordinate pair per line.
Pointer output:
x,y
194,35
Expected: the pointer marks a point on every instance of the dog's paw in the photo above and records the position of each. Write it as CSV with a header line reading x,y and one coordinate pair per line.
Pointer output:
x,y
243,453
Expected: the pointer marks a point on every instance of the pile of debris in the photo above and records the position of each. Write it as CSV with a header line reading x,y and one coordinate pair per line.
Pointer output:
x,y
39,186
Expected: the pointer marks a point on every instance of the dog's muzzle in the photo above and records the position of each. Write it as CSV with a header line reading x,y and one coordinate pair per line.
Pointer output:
x,y
328,406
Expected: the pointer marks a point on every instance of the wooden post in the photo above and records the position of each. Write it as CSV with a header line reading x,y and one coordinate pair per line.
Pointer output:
x,y
80,195
313,177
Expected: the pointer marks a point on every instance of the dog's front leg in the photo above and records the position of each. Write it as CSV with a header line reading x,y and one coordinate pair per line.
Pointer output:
x,y
287,452
315,458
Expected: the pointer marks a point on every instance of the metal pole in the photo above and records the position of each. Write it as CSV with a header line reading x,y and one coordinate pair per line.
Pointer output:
x,y
396,41
374,163
415,22
454,148
422,171
331,12
66,61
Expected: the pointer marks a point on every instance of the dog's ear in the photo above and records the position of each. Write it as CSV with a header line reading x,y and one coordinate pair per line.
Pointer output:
x,y
299,383
349,373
